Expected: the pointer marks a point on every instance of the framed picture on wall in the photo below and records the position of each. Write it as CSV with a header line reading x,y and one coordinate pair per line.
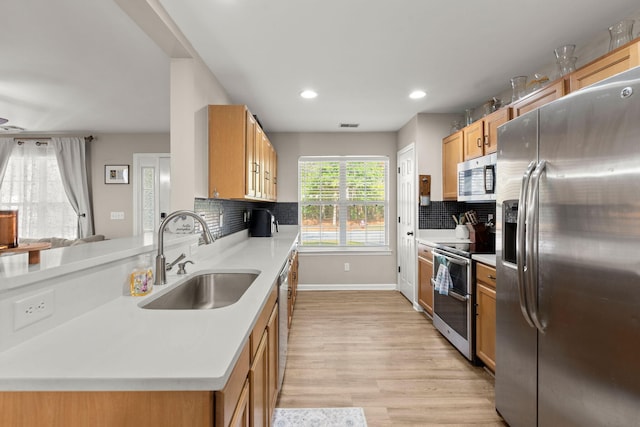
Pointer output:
x,y
116,174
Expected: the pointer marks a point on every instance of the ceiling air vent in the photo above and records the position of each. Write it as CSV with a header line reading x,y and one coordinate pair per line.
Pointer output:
x,y
11,129
349,125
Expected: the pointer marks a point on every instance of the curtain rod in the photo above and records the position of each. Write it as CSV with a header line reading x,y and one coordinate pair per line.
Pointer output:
x,y
43,141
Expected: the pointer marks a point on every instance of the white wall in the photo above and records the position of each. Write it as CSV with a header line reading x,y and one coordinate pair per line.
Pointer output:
x,y
427,131
118,149
329,269
193,88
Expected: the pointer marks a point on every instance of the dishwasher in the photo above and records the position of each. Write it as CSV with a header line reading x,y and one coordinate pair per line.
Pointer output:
x,y
283,316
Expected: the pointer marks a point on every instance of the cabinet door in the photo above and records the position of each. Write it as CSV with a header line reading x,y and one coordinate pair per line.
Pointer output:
x,y
272,354
486,326
486,315
473,137
259,160
240,416
425,273
250,164
622,59
273,173
259,386
451,156
538,99
491,123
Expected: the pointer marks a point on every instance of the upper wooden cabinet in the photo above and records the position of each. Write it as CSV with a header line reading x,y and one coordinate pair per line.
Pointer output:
x,y
617,61
451,156
539,98
481,137
242,161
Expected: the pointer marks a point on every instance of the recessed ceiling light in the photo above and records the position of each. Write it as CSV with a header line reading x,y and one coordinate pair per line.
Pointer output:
x,y
417,94
308,94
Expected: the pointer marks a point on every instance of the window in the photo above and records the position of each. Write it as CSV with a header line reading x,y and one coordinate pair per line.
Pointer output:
x,y
32,184
343,201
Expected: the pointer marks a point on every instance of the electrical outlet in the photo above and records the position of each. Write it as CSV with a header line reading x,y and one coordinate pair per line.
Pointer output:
x,y
117,215
347,267
32,309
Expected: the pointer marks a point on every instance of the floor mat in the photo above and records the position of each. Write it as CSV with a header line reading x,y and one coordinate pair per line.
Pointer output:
x,y
319,417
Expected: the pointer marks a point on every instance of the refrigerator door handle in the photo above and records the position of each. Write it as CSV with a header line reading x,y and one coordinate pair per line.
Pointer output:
x,y
532,245
521,244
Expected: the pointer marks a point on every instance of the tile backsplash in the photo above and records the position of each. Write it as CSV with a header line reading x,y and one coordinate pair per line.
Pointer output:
x,y
436,215
233,213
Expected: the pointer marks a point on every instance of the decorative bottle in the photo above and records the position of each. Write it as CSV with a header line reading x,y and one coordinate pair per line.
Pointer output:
x,y
141,277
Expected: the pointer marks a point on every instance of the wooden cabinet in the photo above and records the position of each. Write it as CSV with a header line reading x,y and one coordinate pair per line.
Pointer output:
x,y
617,61
472,137
273,348
539,98
481,137
486,315
242,161
259,385
229,400
425,273
451,155
293,286
240,416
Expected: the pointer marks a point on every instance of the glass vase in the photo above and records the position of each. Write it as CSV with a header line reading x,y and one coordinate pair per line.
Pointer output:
x,y
519,87
620,33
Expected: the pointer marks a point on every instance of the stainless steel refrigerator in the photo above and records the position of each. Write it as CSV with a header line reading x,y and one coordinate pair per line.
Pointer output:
x,y
568,260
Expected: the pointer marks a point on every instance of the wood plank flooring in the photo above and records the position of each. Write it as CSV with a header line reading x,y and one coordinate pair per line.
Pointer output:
x,y
372,350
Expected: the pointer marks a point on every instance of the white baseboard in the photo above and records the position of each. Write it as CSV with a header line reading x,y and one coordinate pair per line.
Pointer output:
x,y
348,287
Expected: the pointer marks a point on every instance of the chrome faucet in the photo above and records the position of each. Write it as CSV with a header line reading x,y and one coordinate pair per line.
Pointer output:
x,y
161,263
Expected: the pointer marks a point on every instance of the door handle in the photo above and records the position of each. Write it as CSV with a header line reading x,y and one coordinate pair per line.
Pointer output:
x,y
520,242
532,246
409,233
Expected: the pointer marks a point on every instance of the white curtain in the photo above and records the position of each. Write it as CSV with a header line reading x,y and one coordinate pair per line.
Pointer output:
x,y
6,147
32,184
72,161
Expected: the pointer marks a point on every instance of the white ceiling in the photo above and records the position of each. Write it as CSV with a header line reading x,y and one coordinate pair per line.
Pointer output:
x,y
84,66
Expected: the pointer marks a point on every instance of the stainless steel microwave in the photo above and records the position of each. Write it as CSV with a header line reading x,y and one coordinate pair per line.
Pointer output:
x,y
477,179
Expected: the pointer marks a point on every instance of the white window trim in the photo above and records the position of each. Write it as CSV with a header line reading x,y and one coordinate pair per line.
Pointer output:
x,y
352,250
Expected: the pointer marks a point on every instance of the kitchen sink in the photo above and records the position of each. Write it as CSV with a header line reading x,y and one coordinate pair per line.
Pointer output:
x,y
204,291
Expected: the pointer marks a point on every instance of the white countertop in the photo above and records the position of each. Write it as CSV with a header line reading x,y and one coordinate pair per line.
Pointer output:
x,y
485,259
432,237
120,346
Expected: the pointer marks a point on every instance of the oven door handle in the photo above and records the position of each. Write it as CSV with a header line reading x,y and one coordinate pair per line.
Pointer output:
x,y
455,295
451,260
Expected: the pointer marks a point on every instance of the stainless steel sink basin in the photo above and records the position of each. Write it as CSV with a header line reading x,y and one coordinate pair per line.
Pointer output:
x,y
204,291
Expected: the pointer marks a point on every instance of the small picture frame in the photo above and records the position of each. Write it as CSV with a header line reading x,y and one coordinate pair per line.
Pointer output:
x,y
116,174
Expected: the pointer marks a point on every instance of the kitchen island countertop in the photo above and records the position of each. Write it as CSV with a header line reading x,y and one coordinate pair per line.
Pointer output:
x,y
120,346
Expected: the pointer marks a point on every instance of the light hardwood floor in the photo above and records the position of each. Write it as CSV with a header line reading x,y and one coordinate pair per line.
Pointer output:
x,y
372,350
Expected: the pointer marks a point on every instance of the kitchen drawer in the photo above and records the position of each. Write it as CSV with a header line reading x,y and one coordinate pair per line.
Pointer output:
x,y
424,252
486,274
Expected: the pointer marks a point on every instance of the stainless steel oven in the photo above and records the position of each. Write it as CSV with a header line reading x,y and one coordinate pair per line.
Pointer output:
x,y
453,312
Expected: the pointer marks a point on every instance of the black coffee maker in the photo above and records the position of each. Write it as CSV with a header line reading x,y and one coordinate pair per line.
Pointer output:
x,y
262,223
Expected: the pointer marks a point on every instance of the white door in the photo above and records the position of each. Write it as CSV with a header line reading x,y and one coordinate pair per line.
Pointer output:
x,y
407,207
151,191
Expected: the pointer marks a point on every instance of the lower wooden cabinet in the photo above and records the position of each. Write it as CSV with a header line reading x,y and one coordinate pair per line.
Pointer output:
x,y
241,416
259,385
293,286
486,315
425,273
273,357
